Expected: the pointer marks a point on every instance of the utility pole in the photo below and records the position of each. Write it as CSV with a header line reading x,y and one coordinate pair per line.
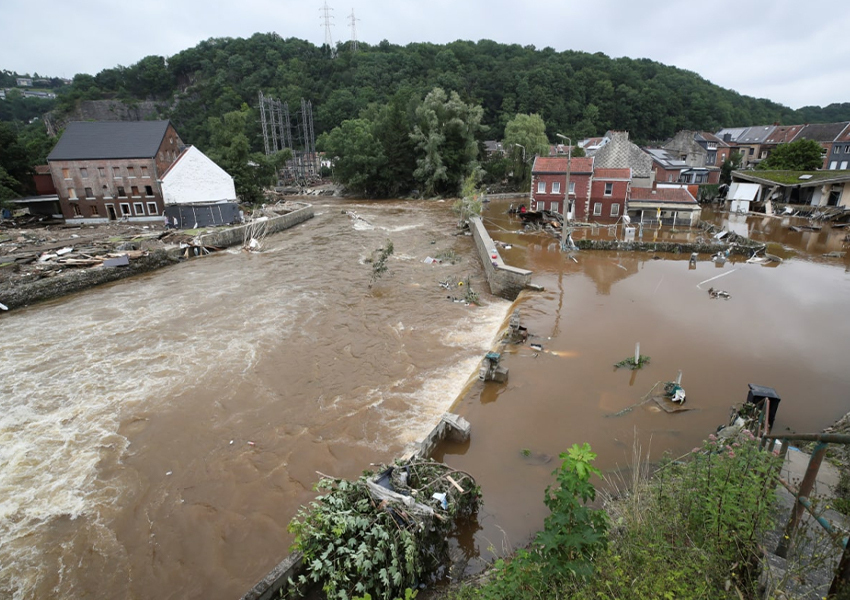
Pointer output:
x,y
353,26
565,210
327,17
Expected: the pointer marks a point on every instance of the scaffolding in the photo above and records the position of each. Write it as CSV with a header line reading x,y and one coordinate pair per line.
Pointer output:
x,y
278,125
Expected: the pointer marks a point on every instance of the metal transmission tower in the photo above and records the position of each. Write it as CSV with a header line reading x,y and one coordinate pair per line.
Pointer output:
x,y
264,123
353,24
327,17
277,124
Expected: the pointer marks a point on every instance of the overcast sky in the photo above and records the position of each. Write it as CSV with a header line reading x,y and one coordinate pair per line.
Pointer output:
x,y
791,51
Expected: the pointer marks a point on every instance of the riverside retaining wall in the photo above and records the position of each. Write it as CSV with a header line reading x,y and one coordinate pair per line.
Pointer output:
x,y
79,280
505,281
237,235
672,247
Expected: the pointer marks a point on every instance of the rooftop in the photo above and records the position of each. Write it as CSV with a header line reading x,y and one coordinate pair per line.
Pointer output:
x,y
677,195
802,178
113,139
558,164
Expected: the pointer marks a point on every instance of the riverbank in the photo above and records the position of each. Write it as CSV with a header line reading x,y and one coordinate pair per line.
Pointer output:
x,y
32,269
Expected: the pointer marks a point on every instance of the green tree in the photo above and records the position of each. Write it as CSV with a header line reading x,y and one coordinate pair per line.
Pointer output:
x,y
525,138
445,137
802,155
357,155
729,165
230,149
15,164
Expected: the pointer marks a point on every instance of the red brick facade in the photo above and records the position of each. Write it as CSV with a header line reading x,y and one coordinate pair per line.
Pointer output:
x,y
549,180
110,189
609,194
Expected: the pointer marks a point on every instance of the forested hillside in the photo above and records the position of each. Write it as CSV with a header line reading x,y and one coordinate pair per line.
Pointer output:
x,y
388,93
576,93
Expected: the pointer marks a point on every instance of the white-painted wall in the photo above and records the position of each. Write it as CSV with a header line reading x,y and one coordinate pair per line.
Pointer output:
x,y
196,179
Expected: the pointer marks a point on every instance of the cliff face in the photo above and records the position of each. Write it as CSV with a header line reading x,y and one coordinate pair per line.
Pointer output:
x,y
104,110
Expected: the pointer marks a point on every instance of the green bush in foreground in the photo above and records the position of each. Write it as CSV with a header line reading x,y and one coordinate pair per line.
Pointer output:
x,y
690,532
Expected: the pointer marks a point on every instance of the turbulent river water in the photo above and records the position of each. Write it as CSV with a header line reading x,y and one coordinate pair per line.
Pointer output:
x,y
158,434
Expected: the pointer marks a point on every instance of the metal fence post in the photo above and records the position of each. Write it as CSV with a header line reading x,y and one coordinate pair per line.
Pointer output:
x,y
804,490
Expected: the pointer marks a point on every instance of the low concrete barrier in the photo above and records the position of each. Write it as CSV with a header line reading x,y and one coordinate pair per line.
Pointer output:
x,y
78,280
236,235
505,281
671,247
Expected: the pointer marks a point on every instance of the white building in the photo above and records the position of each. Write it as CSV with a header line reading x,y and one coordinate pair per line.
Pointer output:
x,y
197,192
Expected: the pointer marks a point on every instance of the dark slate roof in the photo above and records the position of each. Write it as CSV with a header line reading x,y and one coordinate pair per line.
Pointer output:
x,y
109,139
821,132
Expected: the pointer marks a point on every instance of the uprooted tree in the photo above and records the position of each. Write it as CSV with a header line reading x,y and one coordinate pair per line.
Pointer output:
x,y
384,533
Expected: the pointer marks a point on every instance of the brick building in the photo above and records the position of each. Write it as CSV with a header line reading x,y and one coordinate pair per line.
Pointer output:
x,y
106,171
609,195
549,180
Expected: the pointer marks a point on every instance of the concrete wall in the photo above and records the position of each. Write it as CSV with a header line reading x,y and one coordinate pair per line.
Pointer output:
x,y
505,281
236,235
194,178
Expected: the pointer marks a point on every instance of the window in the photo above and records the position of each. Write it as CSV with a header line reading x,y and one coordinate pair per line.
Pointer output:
x,y
541,187
763,154
101,171
93,210
833,165
134,191
752,151
139,208
121,192
609,189
77,211
116,172
836,149
615,210
843,165
573,188
597,208
145,171
556,187
152,210
711,158
72,194
125,209
84,172
89,193
148,190
66,173
106,192
131,172
847,149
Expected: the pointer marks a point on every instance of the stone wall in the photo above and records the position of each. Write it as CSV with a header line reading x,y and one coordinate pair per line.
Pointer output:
x,y
505,281
78,280
671,247
236,235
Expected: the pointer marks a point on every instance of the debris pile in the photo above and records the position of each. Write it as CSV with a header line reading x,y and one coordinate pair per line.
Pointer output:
x,y
384,532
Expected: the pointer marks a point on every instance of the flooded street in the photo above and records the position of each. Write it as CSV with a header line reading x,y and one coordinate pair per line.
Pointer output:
x,y
783,327
158,434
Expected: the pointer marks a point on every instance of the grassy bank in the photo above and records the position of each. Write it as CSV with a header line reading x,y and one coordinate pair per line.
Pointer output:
x,y
691,530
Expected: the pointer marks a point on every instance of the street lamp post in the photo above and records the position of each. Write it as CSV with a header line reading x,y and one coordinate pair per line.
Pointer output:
x,y
565,210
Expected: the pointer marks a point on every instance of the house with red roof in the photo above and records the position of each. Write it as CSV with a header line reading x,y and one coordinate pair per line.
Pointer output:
x,y
549,183
609,196
667,205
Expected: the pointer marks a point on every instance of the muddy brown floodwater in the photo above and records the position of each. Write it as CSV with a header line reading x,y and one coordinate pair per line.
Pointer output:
x,y
785,326
158,434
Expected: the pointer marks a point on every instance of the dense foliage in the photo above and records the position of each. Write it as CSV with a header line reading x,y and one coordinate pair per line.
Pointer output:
x,y
576,93
802,155
690,531
355,542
